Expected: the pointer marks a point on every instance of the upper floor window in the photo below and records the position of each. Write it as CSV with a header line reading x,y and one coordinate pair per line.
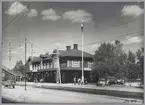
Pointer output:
x,y
69,63
90,64
75,63
55,63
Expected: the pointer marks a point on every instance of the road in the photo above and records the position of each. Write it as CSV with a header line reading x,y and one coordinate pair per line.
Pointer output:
x,y
38,95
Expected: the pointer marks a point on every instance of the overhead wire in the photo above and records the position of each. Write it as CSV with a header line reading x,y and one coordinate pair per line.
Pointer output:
x,y
115,26
16,16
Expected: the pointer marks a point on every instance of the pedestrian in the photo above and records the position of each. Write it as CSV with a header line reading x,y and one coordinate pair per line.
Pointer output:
x,y
41,80
75,81
35,80
86,81
79,81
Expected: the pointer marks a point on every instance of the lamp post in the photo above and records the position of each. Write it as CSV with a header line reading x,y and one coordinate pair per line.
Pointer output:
x,y
82,26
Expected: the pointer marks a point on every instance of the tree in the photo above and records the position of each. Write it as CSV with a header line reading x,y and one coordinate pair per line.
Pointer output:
x,y
140,62
131,66
109,60
19,67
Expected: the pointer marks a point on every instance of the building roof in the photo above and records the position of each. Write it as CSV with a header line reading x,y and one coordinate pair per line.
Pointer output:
x,y
36,59
5,68
15,73
63,53
48,58
74,53
44,55
18,73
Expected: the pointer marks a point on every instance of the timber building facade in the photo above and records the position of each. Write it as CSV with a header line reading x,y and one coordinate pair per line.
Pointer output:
x,y
70,63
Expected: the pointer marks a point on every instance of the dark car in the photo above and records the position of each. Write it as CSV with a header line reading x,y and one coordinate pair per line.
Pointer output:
x,y
112,82
120,81
101,82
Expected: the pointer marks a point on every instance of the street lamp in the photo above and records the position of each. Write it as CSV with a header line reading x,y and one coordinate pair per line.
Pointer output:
x,y
82,26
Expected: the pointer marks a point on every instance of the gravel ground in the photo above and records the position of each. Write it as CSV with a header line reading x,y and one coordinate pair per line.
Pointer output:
x,y
38,95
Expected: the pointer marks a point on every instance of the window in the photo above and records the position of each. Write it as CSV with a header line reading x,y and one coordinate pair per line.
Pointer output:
x,y
50,65
76,64
55,63
69,63
90,64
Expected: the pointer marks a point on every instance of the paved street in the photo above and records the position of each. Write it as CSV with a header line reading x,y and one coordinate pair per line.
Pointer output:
x,y
38,95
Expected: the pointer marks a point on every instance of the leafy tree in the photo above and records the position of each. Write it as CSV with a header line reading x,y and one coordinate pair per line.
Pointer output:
x,y
20,67
110,61
140,63
132,68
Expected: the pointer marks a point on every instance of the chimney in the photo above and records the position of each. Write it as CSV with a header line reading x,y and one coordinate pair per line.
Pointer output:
x,y
75,46
46,53
68,48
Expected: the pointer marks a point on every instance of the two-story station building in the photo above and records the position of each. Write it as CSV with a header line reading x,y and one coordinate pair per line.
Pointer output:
x,y
70,62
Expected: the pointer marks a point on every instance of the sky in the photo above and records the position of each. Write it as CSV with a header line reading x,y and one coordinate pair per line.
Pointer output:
x,y
48,25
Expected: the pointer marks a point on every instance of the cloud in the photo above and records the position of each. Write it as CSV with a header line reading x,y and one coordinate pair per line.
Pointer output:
x,y
76,16
131,10
16,8
112,42
95,46
130,40
50,14
32,13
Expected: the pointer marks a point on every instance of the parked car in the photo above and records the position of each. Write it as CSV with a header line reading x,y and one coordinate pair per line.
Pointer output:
x,y
112,81
120,81
9,83
101,82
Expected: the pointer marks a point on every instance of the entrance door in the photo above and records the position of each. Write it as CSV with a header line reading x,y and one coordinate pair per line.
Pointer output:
x,y
63,77
76,75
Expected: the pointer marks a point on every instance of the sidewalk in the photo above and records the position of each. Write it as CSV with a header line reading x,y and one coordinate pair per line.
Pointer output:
x,y
119,91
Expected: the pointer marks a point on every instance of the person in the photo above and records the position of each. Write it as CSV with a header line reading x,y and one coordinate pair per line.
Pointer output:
x,y
35,80
41,80
79,81
86,81
74,80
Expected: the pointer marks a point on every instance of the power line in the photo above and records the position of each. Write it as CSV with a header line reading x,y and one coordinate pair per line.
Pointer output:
x,y
98,41
115,37
101,40
116,26
16,16
107,39
104,28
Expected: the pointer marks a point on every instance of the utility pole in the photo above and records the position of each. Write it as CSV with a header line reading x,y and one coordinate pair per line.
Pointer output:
x,y
9,51
25,59
32,51
58,65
